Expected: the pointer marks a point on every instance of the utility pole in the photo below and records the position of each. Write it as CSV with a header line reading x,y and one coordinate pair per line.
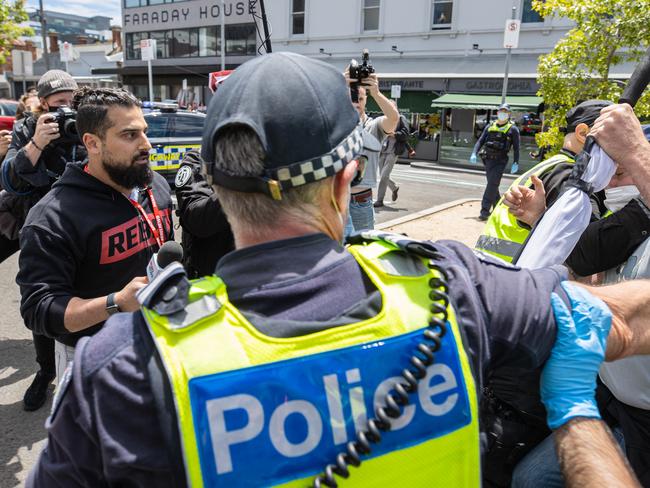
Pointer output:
x,y
223,35
507,68
44,36
265,23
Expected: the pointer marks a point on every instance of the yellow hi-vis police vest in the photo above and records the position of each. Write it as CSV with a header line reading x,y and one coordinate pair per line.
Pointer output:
x,y
503,236
255,410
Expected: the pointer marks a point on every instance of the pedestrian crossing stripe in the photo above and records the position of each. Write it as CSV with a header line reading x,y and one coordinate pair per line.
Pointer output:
x,y
169,157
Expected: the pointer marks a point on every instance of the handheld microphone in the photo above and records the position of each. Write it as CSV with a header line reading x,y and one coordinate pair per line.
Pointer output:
x,y
169,252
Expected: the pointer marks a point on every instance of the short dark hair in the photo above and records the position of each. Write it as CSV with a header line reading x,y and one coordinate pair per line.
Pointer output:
x,y
92,106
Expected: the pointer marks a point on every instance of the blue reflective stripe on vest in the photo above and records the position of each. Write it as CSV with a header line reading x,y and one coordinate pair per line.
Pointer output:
x,y
277,422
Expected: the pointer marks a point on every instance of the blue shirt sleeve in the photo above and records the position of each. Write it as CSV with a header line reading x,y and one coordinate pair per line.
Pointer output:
x,y
514,131
481,140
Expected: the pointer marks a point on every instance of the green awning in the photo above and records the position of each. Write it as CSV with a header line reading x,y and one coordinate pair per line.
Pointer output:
x,y
413,102
478,102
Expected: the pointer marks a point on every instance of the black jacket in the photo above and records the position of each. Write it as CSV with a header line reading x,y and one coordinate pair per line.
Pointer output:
x,y
206,232
25,184
609,242
83,239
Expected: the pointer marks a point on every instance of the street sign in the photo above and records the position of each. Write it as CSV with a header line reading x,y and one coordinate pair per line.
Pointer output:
x,y
511,34
66,52
395,91
148,49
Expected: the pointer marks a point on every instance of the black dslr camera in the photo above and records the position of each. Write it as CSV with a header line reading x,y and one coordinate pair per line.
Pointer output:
x,y
67,120
359,72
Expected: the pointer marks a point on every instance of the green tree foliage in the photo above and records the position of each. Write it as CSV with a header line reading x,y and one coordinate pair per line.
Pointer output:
x,y
606,33
12,14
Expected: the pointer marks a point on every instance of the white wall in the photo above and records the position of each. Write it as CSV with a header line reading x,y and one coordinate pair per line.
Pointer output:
x,y
336,26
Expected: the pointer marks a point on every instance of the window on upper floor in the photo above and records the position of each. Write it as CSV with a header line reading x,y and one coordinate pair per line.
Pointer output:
x,y
529,15
298,17
442,11
371,15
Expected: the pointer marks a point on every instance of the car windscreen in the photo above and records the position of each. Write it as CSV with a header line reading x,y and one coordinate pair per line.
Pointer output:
x,y
157,125
8,108
185,125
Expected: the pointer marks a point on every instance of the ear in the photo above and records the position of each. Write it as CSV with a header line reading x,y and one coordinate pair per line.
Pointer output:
x,y
93,143
581,132
342,181
43,103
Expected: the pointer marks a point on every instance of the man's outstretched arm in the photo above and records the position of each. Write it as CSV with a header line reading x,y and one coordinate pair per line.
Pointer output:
x,y
589,456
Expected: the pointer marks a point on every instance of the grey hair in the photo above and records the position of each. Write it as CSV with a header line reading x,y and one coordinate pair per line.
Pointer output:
x,y
238,151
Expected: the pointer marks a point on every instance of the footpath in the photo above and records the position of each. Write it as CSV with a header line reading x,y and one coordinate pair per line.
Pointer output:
x,y
23,433
453,220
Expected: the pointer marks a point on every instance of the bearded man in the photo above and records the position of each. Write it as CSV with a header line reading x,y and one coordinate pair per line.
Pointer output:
x,y
85,246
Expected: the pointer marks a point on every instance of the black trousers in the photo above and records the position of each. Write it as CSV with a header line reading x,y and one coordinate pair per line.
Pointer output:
x,y
635,425
44,346
493,172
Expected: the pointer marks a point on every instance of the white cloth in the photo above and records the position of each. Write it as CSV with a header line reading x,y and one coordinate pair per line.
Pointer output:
x,y
617,198
63,355
562,225
629,379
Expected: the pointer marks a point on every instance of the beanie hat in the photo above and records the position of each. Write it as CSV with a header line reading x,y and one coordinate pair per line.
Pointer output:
x,y
55,81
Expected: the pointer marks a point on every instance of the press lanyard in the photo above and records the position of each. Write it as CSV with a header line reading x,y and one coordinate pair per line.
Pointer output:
x,y
156,230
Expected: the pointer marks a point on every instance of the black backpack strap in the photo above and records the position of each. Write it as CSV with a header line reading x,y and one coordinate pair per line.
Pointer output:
x,y
164,400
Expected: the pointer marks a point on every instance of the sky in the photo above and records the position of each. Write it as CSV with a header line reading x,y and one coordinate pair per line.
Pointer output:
x,y
87,8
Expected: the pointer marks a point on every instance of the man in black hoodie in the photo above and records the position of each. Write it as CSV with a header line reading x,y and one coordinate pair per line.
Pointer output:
x,y
85,246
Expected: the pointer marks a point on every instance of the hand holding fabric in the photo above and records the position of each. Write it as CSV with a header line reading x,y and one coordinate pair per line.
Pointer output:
x,y
568,383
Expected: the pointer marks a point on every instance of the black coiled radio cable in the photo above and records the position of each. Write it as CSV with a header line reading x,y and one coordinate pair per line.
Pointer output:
x,y
399,396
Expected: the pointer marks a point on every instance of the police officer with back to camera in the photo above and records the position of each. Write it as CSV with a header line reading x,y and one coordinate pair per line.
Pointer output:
x,y
206,232
261,374
39,151
496,140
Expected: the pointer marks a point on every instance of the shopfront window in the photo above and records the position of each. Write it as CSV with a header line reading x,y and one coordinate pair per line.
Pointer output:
x,y
133,44
298,17
210,41
196,42
162,43
370,15
442,12
240,40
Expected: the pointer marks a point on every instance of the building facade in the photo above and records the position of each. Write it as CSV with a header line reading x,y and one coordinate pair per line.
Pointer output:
x,y
70,28
188,44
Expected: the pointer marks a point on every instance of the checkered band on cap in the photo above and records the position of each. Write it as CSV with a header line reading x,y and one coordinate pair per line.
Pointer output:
x,y
316,169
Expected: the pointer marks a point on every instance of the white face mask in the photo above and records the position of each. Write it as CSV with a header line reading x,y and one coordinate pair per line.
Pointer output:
x,y
502,116
617,198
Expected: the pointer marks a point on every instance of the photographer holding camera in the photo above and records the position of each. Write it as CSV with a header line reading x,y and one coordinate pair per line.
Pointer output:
x,y
363,81
36,159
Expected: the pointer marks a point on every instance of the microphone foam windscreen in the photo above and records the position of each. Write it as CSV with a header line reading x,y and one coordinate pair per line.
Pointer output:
x,y
169,252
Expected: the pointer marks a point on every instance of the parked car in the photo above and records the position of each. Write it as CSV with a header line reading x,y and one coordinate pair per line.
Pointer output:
x,y
7,114
171,133
530,124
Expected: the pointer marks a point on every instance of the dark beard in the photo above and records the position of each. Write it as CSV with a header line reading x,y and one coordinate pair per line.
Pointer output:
x,y
134,176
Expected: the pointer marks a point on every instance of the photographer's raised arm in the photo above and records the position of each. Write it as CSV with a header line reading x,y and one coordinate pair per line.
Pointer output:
x,y
389,124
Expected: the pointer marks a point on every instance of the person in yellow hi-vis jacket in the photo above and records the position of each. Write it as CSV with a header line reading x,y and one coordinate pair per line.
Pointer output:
x,y
508,227
303,361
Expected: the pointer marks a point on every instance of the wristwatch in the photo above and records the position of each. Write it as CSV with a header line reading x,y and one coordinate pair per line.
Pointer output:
x,y
111,306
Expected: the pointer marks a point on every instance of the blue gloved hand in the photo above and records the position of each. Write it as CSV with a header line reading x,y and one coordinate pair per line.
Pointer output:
x,y
472,158
568,385
514,169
